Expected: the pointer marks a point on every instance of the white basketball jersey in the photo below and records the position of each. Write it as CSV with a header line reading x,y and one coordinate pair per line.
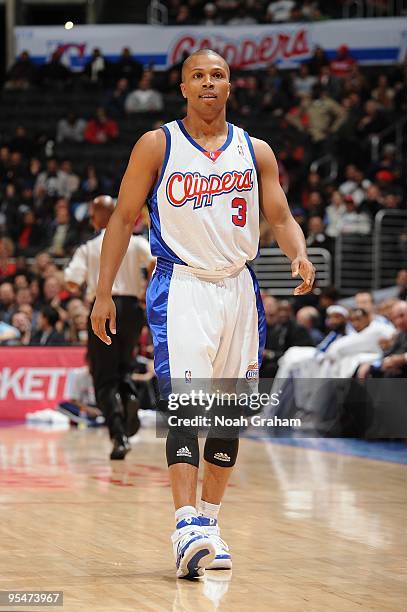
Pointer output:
x,y
205,206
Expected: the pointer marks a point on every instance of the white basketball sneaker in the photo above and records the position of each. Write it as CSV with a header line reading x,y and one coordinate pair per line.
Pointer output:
x,y
193,550
223,559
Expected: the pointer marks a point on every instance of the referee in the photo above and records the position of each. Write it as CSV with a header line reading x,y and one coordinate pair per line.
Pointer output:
x,y
110,365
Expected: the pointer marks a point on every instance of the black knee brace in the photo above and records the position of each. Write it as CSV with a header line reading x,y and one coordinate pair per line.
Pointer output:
x,y
220,451
182,447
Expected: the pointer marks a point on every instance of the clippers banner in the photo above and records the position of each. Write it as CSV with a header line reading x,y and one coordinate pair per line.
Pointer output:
x,y
371,41
34,378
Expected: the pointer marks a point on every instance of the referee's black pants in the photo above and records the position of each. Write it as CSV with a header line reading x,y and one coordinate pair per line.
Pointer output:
x,y
109,365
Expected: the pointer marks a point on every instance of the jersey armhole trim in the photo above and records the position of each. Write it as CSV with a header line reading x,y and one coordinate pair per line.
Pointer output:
x,y
166,158
251,149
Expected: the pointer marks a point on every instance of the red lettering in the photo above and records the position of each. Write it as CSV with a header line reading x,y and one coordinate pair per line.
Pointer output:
x,y
185,44
248,54
264,48
175,178
300,44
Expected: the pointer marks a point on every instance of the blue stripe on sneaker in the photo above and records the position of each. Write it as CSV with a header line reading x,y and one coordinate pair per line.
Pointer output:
x,y
187,545
193,563
193,520
225,556
207,522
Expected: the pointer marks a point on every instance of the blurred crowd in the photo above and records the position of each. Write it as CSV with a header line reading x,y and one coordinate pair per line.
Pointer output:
x,y
325,106
247,12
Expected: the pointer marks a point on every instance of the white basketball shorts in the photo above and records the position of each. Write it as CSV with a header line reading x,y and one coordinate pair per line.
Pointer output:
x,y
204,328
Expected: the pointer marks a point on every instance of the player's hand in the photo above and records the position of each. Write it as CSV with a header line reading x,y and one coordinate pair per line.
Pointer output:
x,y
301,266
103,309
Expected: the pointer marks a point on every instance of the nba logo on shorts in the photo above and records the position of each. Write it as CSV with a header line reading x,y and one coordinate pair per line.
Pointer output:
x,y
188,376
252,371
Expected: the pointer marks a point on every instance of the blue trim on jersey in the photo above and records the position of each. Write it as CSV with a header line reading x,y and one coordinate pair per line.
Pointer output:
x,y
157,308
251,149
198,146
261,316
158,247
166,158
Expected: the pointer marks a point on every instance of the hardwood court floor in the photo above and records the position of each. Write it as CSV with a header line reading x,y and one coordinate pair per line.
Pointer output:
x,y
309,530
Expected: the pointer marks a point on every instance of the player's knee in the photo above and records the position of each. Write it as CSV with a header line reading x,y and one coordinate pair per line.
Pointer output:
x,y
221,451
182,447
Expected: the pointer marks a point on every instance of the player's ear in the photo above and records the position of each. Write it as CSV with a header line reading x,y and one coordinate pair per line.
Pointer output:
x,y
183,90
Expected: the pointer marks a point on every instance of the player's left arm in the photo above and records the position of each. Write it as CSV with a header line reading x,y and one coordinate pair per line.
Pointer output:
x,y
274,206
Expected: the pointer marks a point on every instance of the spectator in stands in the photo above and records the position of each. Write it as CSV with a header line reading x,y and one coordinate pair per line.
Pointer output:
x,y
94,183
31,235
78,327
22,74
315,204
8,333
171,86
355,185
46,334
309,10
52,182
282,335
372,121
318,61
72,179
144,98
242,17
101,129
317,236
303,81
353,221
342,64
96,69
391,200
373,201
246,95
71,128
116,99
332,85
227,8
7,301
21,142
393,363
388,161
345,355
21,322
333,215
7,267
63,232
325,118
10,209
383,94
279,11
33,171
210,15
54,73
308,317
127,67
184,16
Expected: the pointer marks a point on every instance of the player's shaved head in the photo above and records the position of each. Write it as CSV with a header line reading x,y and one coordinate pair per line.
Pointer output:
x,y
208,52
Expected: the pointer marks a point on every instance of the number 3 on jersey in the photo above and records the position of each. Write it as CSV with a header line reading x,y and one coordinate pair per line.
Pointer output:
x,y
241,205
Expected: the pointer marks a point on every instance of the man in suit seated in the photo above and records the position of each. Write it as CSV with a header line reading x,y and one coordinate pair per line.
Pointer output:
x,y
46,334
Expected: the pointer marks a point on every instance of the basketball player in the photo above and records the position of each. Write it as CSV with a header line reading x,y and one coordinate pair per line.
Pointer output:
x,y
205,180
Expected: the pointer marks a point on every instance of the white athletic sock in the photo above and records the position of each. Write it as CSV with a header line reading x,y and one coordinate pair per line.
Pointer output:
x,y
209,510
185,512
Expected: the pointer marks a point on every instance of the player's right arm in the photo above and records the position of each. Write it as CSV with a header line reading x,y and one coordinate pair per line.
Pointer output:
x,y
141,173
